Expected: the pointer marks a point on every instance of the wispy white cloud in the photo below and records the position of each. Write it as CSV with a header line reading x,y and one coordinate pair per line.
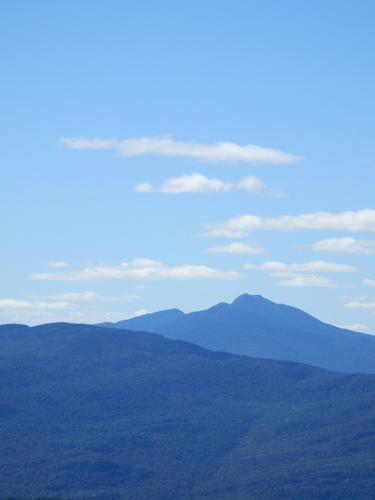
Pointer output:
x,y
200,184
237,248
228,152
292,280
369,282
303,267
301,275
361,304
82,143
255,187
346,245
252,185
89,296
36,305
144,187
243,225
190,183
144,269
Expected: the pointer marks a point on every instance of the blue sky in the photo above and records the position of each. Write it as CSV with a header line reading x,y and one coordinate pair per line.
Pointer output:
x,y
128,166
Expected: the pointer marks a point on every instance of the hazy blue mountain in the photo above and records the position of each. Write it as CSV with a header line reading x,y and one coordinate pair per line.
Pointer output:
x,y
13,327
255,326
146,322
89,412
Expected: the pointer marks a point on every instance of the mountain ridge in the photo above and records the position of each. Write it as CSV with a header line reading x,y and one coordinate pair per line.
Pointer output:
x,y
255,326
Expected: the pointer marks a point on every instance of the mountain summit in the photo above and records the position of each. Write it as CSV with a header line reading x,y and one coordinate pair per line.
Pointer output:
x,y
255,326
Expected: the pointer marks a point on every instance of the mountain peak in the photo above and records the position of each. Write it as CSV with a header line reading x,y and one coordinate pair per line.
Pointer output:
x,y
246,299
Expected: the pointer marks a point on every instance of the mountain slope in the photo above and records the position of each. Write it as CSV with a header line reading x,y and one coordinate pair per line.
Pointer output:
x,y
255,326
88,412
146,322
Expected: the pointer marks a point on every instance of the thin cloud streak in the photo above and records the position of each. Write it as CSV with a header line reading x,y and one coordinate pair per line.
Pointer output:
x,y
243,225
304,267
291,280
220,152
139,269
190,183
196,183
237,248
345,245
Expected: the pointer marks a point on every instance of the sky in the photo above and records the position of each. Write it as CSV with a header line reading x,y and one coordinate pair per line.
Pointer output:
x,y
177,154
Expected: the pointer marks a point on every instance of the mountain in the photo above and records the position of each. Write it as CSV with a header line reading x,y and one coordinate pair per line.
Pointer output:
x,y
255,326
89,412
146,322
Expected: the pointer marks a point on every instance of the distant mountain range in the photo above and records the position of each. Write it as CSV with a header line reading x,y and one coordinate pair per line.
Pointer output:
x,y
91,412
255,326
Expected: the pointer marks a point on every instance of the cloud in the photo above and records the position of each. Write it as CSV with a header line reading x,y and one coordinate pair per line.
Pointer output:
x,y
361,304
58,264
303,267
145,269
90,296
346,245
240,226
291,280
228,152
369,282
252,185
301,275
255,187
200,184
237,248
191,183
81,143
35,305
144,187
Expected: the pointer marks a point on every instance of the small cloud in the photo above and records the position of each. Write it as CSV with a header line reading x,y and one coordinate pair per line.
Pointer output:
x,y
144,187
369,282
237,248
252,185
304,281
90,296
255,187
192,183
361,304
200,184
81,143
346,245
35,305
